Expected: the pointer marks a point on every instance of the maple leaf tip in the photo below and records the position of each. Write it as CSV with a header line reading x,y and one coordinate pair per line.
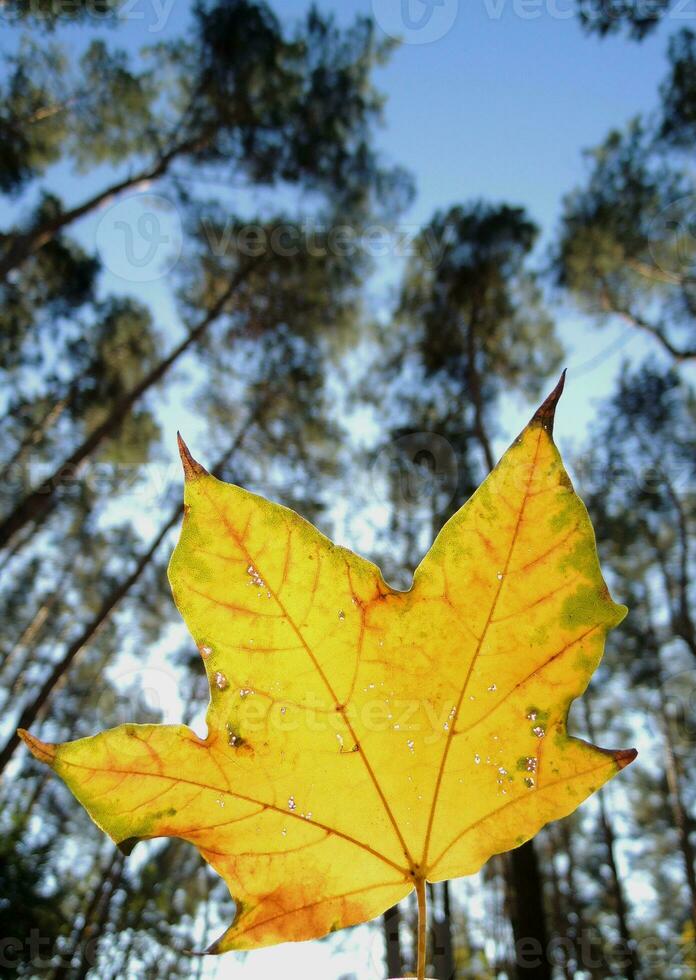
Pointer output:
x,y
624,757
192,468
546,412
43,751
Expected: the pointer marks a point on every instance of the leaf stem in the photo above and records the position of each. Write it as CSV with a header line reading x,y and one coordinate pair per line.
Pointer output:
x,y
422,926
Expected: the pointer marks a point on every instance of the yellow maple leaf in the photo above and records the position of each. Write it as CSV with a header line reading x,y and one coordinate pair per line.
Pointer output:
x,y
362,741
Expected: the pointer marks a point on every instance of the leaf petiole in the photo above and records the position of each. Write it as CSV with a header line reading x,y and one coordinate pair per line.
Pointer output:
x,y
422,926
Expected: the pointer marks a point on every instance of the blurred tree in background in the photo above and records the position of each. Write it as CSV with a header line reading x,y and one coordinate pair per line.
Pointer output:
x,y
626,247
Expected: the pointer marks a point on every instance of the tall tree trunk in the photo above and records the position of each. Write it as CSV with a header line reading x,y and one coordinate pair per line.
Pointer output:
x,y
81,935
682,620
39,502
130,921
207,902
631,966
476,394
21,539
58,674
595,968
681,817
19,681
528,916
36,435
96,917
443,949
30,632
391,921
29,805
22,245
87,950
655,330
559,914
500,915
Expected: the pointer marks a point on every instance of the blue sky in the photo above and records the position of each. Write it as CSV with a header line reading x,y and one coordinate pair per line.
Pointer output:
x,y
501,108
